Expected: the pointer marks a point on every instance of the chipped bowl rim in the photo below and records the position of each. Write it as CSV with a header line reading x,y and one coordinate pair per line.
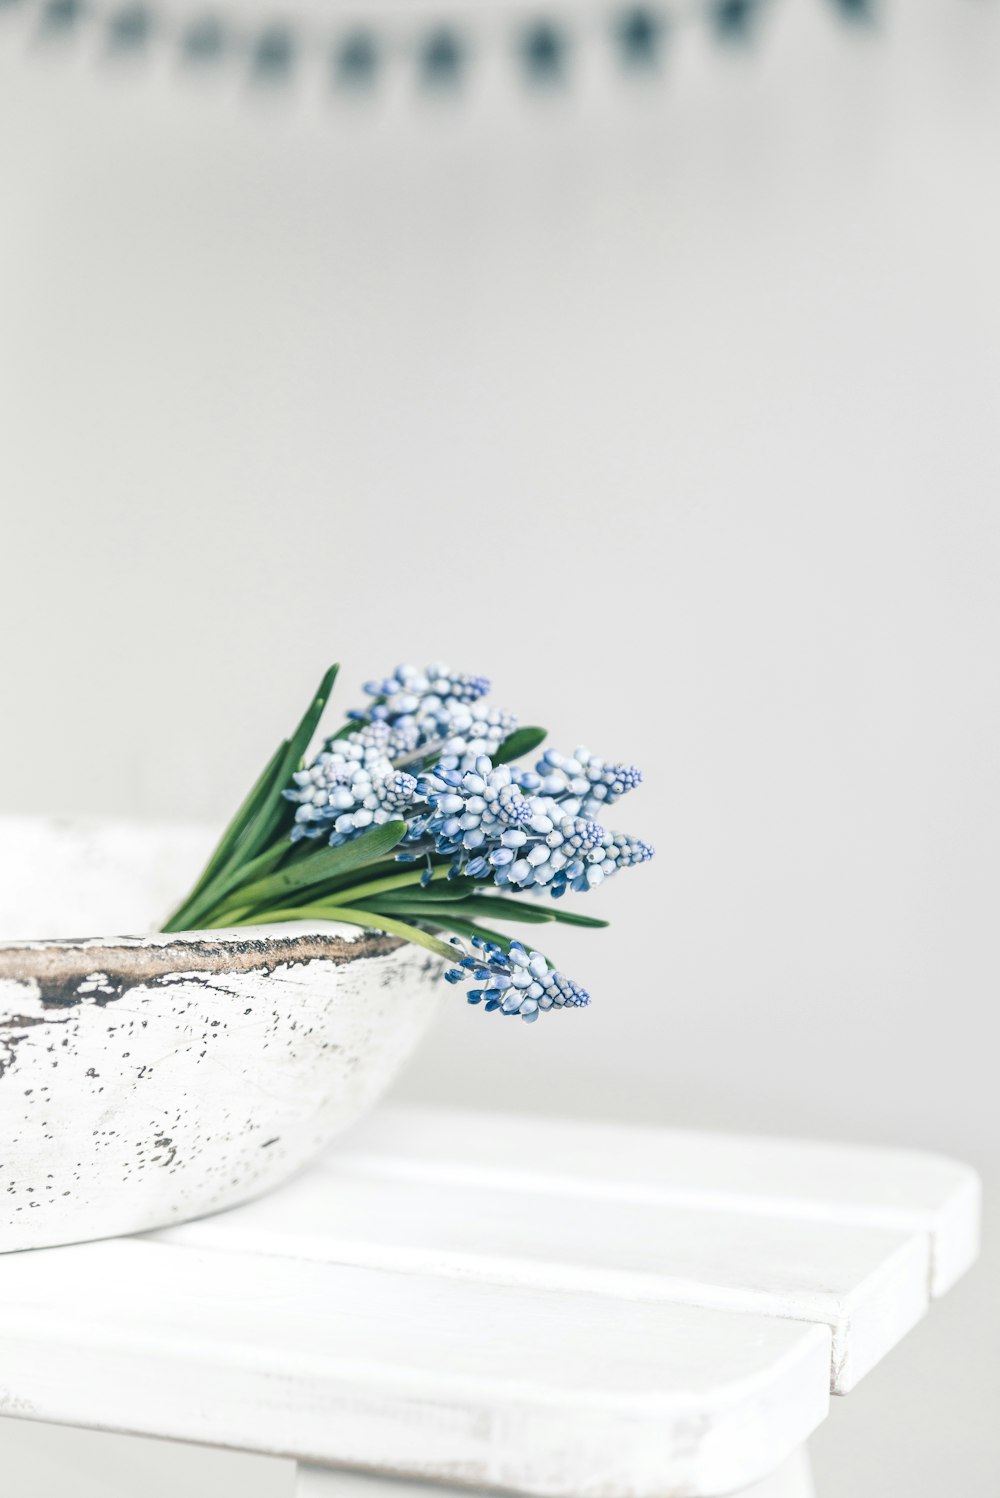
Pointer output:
x,y
72,960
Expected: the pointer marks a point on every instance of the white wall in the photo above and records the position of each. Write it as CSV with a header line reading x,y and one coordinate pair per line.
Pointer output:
x,y
674,412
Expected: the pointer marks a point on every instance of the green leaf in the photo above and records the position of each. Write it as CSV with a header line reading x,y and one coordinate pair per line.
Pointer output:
x,y
496,908
472,928
250,805
302,736
382,866
521,741
573,918
436,911
448,890
373,920
369,919
469,929
264,863
493,908
275,808
499,908
257,820
326,863
230,838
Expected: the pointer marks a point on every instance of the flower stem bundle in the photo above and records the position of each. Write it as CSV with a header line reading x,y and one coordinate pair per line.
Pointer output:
x,y
416,818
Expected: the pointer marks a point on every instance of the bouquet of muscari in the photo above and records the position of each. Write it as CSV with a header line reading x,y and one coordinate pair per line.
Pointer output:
x,y
416,818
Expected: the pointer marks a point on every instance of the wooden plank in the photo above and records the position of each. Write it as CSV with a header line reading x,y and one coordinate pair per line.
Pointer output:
x,y
831,1234
869,1285
563,1395
793,1479
903,1191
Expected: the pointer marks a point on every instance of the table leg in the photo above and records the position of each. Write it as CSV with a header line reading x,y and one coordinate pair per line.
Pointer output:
x,y
793,1479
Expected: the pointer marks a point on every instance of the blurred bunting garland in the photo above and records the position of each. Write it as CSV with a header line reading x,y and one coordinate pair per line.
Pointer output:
x,y
359,49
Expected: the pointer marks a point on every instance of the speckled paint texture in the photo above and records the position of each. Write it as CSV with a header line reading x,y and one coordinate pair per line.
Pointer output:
x,y
146,1080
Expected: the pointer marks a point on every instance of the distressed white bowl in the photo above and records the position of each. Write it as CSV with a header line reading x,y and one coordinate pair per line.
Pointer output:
x,y
149,1079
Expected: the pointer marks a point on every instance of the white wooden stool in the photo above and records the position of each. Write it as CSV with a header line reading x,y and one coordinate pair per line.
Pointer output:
x,y
489,1301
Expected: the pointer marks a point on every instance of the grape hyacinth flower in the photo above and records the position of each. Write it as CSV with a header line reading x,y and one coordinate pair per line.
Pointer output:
x,y
344,792
583,784
437,710
518,982
580,856
467,733
558,859
621,852
479,812
456,731
416,818
490,829
403,691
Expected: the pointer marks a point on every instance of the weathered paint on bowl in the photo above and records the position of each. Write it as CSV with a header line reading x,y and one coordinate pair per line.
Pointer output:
x,y
145,1080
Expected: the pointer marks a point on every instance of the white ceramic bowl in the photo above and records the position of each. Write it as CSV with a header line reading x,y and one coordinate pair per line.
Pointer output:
x,y
149,1079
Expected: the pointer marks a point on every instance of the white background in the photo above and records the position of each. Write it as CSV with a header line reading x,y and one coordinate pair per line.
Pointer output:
x,y
674,410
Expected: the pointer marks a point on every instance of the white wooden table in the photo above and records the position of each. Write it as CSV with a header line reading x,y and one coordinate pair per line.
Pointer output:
x,y
554,1309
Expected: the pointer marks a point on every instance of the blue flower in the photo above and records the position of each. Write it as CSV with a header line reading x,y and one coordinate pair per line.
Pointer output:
x,y
435,711
345,790
457,732
576,855
582,784
517,982
468,733
372,739
517,828
396,790
559,856
477,816
407,687
481,819
620,851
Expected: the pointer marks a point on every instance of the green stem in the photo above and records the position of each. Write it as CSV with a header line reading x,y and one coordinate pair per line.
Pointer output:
x,y
342,882
394,881
370,919
226,883
225,852
232,915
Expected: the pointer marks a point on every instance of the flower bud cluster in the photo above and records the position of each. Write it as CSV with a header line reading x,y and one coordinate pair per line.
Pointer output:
x,y
583,784
517,982
484,822
346,790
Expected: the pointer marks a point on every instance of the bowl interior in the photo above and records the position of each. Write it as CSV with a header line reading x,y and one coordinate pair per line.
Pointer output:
x,y
74,877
